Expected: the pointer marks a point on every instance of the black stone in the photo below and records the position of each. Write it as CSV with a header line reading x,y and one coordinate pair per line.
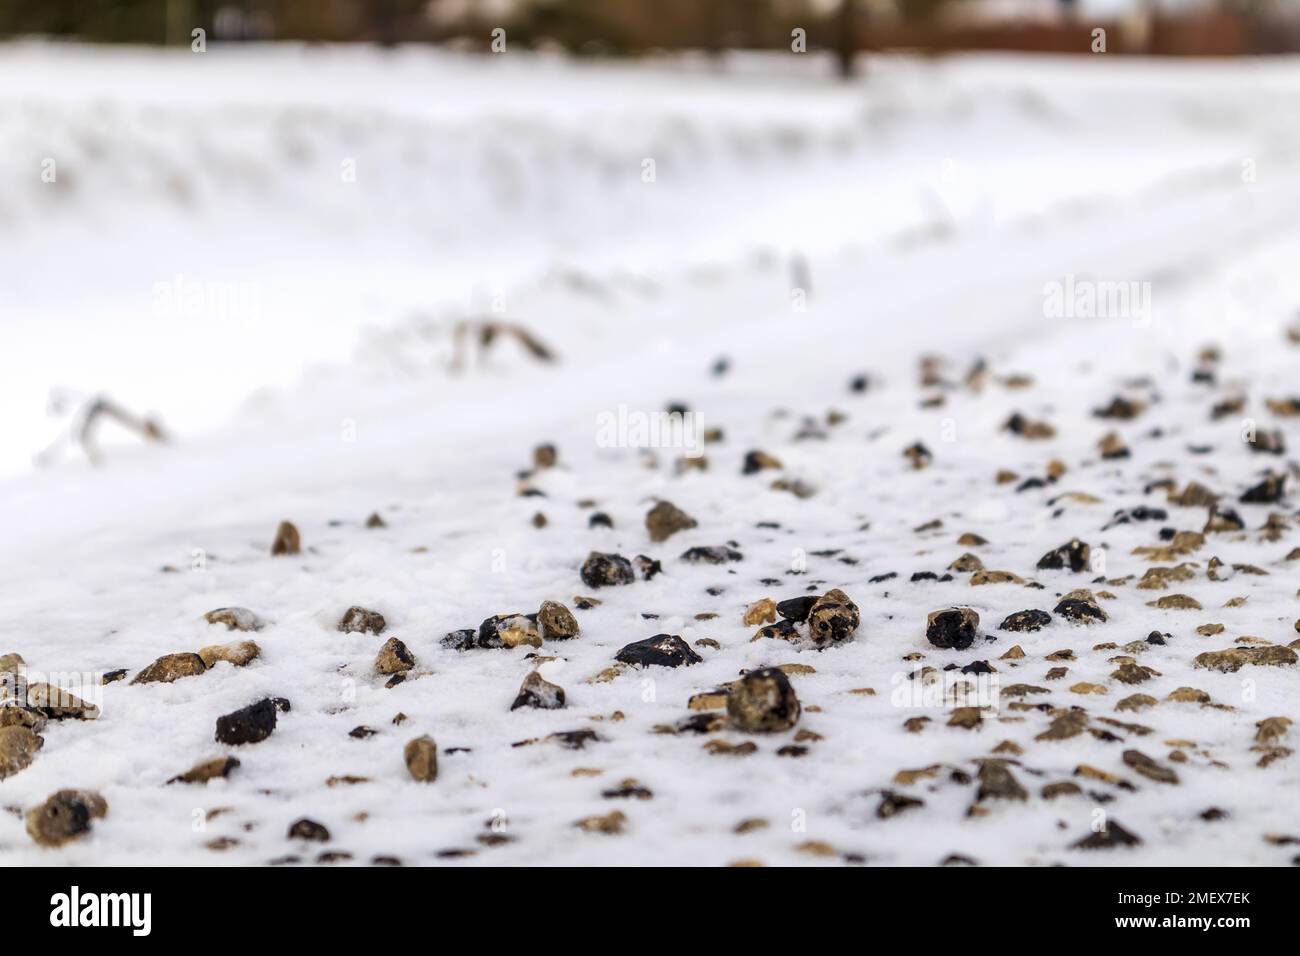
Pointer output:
x,y
664,650
606,570
305,829
797,608
248,725
1031,620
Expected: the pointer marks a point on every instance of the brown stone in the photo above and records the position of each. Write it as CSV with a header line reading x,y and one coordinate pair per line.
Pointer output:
x,y
171,667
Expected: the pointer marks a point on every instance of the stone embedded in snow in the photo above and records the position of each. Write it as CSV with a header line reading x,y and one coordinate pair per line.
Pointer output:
x,y
1267,492
65,816
952,628
762,611
18,746
545,456
662,650
893,803
1018,424
376,521
1081,607
1112,447
306,829
235,619
421,756
782,630
537,692
239,653
997,782
359,620
59,704
797,608
556,621
208,770
14,714
833,618
1074,554
1148,768
509,630
1121,409
171,667
463,640
756,461
763,702
717,554
665,519
394,658
1176,602
602,570
1029,620
610,824
287,540
248,725
1111,835
966,564
1234,658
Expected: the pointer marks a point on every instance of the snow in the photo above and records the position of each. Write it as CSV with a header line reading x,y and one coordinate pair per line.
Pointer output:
x,y
301,364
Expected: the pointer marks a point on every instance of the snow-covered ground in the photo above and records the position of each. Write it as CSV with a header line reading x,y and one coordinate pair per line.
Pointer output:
x,y
268,247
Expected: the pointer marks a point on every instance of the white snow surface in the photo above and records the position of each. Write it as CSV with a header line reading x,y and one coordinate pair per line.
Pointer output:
x,y
931,202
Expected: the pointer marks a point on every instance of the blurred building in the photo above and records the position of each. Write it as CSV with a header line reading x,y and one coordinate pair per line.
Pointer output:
x,y
617,27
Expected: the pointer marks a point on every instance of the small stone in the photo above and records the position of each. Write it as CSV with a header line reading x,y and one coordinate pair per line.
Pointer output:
x,y
762,611
833,618
967,718
462,640
1136,702
796,609
1030,620
1080,610
1129,673
56,703
610,824
763,702
171,667
952,628
1271,728
286,540
545,456
997,782
306,829
1074,554
376,521
64,817
966,564
556,621
1189,695
1233,659
239,653
893,803
665,519
421,756
536,691
1069,724
1062,788
18,746
248,725
756,461
235,619
394,658
1111,835
359,620
1267,492
663,650
1176,602
1148,768
986,576
1015,653
717,554
208,770
606,570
